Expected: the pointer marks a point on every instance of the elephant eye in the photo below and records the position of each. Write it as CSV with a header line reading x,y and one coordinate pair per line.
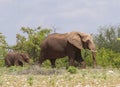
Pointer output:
x,y
88,41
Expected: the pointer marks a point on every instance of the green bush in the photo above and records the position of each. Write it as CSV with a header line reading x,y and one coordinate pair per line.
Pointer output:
x,y
87,57
2,55
2,63
108,58
72,69
104,57
30,80
62,62
29,42
46,64
116,61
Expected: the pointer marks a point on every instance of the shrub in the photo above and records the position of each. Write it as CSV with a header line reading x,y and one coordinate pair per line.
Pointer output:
x,y
30,80
46,64
108,58
2,63
116,61
30,41
2,54
62,62
104,57
87,57
72,69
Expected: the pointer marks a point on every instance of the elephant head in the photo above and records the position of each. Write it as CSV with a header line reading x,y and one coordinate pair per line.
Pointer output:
x,y
25,57
83,41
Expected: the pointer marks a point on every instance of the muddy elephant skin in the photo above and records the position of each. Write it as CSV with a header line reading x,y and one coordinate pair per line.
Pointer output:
x,y
14,58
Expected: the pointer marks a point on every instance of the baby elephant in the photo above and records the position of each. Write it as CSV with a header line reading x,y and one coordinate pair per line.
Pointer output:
x,y
14,58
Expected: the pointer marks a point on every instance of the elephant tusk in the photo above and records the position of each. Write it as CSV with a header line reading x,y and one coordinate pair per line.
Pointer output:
x,y
94,51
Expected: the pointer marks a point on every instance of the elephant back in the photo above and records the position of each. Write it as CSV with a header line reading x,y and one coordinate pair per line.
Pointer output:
x,y
53,37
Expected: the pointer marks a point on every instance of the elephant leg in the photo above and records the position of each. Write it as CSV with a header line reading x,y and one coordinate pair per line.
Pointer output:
x,y
7,62
41,60
78,57
16,63
83,64
20,63
71,61
53,62
94,60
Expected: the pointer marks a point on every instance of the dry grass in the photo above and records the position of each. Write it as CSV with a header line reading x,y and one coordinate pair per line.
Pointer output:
x,y
41,77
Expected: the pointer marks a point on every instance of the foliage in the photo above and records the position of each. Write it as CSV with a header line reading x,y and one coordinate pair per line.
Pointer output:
x,y
107,37
30,41
46,64
108,42
3,46
30,80
105,58
3,42
63,62
72,69
87,56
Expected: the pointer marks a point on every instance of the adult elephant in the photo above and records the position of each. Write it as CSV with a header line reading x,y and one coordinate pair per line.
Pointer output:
x,y
14,58
69,44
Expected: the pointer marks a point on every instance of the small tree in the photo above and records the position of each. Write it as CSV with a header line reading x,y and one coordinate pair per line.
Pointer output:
x,y
107,37
3,45
30,41
3,42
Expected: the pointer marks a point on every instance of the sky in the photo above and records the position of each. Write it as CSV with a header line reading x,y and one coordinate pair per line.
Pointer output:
x,y
63,15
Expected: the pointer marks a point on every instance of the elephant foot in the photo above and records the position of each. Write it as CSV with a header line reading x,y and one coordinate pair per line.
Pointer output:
x,y
83,65
95,65
40,65
53,66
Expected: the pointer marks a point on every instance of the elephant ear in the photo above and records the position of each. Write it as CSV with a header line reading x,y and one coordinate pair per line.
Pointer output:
x,y
74,39
85,37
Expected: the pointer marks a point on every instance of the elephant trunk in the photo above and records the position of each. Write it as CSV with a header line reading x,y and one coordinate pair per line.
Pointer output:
x,y
94,58
92,48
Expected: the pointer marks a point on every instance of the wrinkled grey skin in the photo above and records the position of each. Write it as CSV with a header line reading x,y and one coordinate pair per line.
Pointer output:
x,y
14,58
56,46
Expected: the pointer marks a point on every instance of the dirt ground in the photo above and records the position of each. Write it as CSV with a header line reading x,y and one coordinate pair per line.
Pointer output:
x,y
37,77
